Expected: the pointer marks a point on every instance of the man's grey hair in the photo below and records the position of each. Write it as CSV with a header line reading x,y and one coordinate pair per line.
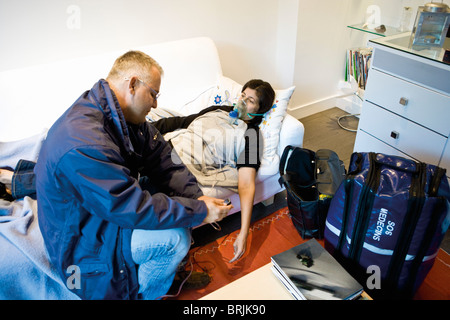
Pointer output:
x,y
133,63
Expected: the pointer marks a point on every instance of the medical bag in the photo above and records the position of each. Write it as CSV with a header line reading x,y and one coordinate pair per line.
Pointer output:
x,y
386,222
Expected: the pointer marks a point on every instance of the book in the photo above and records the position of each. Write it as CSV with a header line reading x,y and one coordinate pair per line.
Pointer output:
x,y
357,65
309,272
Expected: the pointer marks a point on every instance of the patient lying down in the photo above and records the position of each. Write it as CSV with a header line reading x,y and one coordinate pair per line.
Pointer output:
x,y
221,151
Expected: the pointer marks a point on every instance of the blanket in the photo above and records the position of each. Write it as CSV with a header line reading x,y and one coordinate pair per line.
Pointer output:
x,y
209,147
12,151
26,271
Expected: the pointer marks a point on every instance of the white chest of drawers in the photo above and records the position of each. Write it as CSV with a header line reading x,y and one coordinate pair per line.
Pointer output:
x,y
406,108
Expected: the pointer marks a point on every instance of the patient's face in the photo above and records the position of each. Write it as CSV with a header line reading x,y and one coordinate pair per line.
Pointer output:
x,y
251,100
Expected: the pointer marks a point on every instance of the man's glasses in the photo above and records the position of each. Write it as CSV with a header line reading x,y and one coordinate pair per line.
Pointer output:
x,y
155,94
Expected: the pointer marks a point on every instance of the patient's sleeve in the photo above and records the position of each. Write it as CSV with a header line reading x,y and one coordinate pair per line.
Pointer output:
x,y
170,124
252,153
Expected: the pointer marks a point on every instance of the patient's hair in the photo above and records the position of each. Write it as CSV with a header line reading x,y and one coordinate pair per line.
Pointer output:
x,y
265,94
133,63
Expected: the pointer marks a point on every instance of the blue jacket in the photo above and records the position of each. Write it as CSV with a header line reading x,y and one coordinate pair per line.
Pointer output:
x,y
90,199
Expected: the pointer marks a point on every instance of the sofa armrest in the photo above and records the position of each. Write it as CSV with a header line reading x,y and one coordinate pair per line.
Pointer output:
x,y
291,133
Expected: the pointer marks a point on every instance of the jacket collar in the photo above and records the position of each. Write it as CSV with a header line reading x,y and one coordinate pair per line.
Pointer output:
x,y
107,101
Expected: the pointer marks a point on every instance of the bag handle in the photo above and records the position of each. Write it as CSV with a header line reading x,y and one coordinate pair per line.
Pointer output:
x,y
414,166
436,181
284,158
285,177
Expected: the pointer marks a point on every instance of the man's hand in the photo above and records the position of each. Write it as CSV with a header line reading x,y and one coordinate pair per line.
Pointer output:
x,y
217,210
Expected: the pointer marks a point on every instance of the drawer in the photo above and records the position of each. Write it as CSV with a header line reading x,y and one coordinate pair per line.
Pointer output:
x,y
404,135
426,107
425,72
366,143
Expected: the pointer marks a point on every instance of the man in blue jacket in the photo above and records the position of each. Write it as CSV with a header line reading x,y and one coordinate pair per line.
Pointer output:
x,y
97,219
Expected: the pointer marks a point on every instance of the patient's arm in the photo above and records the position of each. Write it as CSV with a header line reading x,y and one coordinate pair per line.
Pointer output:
x,y
170,124
246,189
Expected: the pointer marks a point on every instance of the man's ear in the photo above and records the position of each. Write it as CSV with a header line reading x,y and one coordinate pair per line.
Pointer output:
x,y
132,84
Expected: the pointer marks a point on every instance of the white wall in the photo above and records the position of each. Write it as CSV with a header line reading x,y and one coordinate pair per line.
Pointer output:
x,y
34,32
320,50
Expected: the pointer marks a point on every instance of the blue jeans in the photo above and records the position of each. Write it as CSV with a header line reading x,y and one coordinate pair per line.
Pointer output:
x,y
23,181
158,254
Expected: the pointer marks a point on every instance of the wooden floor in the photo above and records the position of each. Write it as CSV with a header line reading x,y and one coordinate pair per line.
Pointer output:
x,y
322,131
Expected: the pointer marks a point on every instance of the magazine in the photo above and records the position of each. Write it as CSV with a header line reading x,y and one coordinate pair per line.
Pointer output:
x,y
309,272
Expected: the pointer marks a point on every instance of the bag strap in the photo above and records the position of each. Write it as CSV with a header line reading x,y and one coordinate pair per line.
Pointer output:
x,y
284,158
436,181
425,245
415,205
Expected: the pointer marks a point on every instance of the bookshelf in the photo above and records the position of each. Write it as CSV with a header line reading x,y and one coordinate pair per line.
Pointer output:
x,y
390,31
358,59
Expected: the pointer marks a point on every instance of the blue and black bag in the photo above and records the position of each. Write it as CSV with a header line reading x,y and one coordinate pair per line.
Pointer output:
x,y
389,215
311,179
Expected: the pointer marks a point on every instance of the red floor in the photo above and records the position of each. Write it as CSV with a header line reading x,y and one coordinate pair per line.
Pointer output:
x,y
275,234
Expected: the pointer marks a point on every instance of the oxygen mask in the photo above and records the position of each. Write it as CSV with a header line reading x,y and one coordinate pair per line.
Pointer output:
x,y
241,107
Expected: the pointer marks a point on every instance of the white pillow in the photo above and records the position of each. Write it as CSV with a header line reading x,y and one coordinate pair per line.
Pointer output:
x,y
227,93
271,125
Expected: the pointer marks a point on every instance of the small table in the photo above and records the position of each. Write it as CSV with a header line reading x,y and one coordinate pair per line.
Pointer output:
x,y
260,284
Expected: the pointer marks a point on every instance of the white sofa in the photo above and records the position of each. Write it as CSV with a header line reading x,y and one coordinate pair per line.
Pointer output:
x,y
31,99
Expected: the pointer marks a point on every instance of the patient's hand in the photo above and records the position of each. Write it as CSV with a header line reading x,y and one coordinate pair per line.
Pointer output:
x,y
239,245
217,210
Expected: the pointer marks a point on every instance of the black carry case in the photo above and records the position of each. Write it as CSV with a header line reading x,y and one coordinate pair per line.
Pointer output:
x,y
390,213
311,179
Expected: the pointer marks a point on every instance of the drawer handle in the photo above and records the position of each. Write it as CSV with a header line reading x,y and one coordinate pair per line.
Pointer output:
x,y
395,134
403,101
